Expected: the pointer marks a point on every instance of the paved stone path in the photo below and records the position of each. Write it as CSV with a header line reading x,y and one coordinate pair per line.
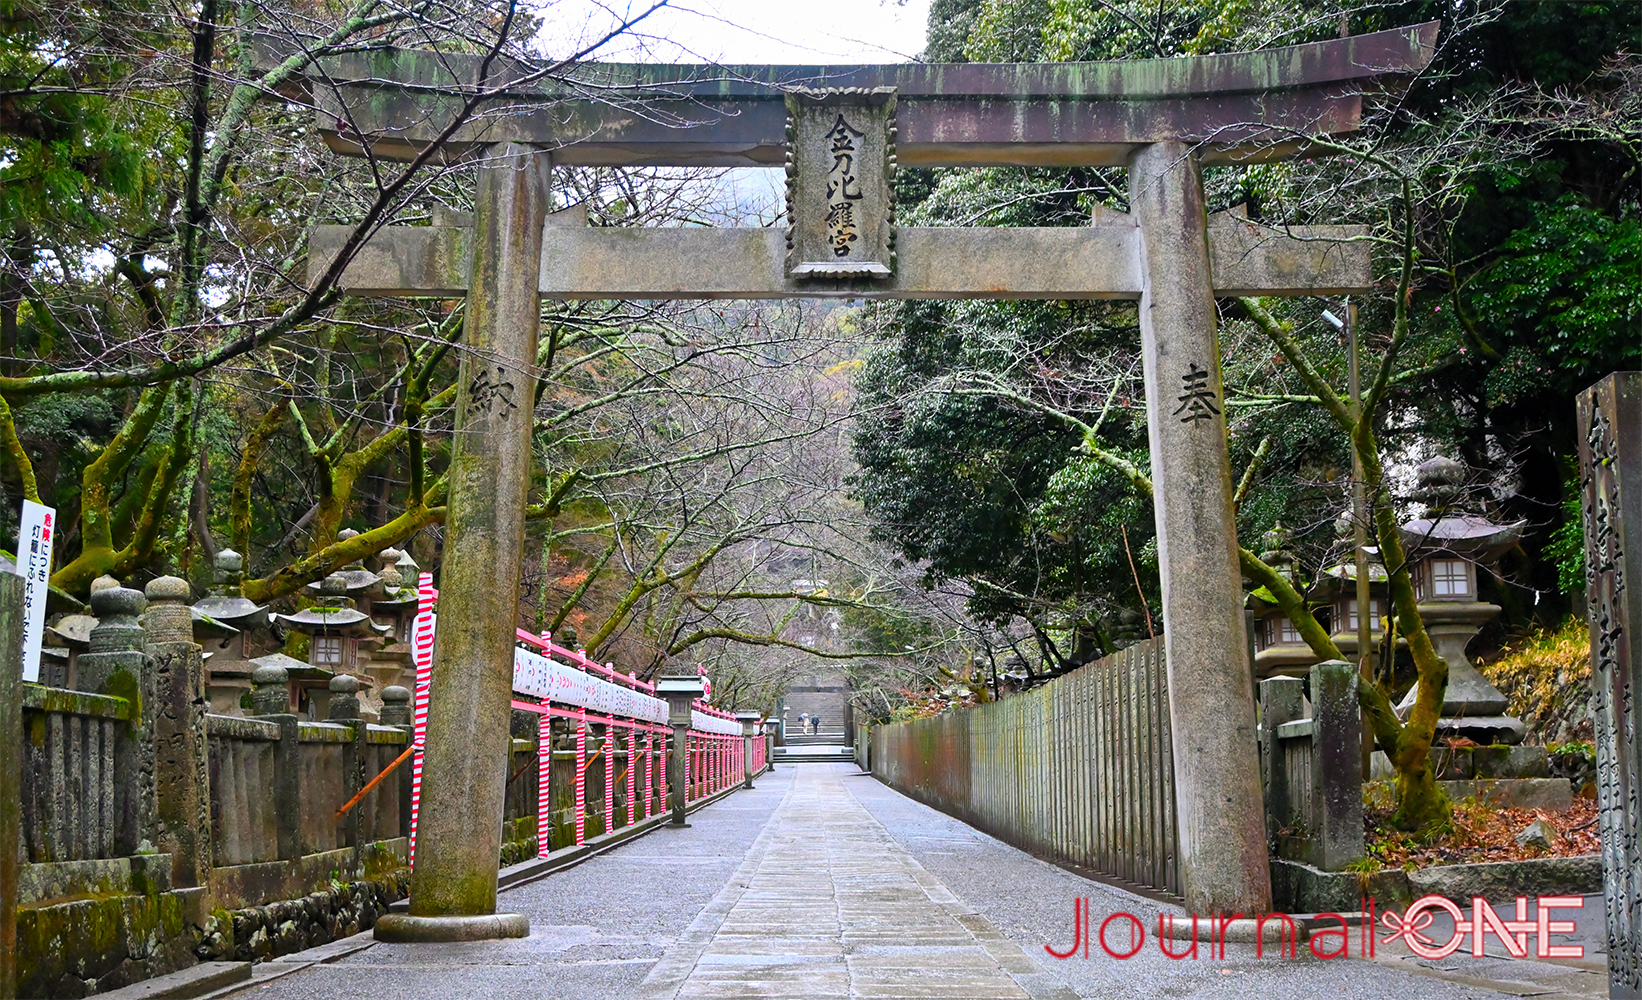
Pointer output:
x,y
827,904
822,882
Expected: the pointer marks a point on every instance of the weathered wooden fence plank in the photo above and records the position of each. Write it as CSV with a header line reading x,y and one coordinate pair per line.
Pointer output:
x,y
1078,769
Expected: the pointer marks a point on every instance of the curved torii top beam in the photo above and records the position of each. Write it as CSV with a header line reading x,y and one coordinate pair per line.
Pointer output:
x,y
1241,107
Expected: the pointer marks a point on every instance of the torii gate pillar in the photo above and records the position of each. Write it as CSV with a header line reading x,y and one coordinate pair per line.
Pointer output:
x,y
453,886
1223,862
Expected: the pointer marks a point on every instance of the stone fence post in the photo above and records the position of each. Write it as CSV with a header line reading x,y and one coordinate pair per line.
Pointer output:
x,y
271,700
11,773
1327,806
1282,700
182,798
1336,766
396,712
344,709
116,665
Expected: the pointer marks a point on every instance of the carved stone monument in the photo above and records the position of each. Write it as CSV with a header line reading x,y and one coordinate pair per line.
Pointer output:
x,y
1610,461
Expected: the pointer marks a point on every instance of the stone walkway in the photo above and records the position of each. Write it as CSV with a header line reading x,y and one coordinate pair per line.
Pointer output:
x,y
827,904
824,883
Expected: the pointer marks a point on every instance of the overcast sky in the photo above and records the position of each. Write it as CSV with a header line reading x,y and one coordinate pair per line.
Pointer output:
x,y
745,31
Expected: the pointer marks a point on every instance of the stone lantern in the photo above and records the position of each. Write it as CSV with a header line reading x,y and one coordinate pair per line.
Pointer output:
x,y
393,607
1336,592
680,692
334,627
749,731
1445,548
771,728
1278,649
356,579
228,671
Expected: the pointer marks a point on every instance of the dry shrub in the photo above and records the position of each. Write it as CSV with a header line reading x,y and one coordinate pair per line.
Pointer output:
x,y
1547,677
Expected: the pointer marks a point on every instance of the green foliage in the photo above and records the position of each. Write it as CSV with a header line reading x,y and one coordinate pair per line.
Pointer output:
x,y
1566,294
950,22
1566,549
1573,748
62,145
1546,674
1007,31
978,488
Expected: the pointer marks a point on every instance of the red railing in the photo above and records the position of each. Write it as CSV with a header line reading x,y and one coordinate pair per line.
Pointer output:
x,y
714,761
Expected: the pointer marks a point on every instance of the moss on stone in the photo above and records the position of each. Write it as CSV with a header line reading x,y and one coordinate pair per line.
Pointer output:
x,y
121,684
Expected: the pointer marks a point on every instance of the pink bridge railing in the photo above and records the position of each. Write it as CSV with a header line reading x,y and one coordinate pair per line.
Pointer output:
x,y
555,682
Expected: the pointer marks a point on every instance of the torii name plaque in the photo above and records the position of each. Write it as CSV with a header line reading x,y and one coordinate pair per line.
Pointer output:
x,y
840,176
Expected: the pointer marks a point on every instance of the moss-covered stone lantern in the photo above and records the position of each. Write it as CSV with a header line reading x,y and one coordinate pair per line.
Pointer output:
x,y
228,669
1335,593
335,628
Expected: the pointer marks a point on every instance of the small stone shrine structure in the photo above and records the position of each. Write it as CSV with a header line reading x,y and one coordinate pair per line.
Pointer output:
x,y
1336,591
1278,649
840,132
393,606
335,630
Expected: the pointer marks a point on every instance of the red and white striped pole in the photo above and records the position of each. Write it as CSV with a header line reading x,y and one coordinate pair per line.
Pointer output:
x,y
581,780
632,775
422,655
544,773
609,774
649,772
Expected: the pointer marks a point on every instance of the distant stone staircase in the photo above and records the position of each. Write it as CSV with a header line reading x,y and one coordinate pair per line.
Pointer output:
x,y
798,753
820,696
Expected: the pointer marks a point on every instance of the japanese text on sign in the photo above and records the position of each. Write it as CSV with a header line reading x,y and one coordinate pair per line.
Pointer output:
x,y
843,188
34,566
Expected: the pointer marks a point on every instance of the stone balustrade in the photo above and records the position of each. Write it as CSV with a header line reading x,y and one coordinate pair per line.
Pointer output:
x,y
144,813
1313,766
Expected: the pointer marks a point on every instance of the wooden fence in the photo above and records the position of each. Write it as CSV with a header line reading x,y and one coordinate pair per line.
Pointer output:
x,y
1079,770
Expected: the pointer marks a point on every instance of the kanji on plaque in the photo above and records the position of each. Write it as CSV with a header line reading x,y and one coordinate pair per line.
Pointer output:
x,y
840,163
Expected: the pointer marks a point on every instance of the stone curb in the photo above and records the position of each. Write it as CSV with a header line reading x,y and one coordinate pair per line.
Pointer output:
x,y
405,928
194,981
1241,931
1304,888
1576,876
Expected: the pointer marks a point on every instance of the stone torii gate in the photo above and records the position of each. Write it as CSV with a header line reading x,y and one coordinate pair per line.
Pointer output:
x,y
840,132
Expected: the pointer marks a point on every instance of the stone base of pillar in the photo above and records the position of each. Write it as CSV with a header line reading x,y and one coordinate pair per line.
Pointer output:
x,y
406,929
